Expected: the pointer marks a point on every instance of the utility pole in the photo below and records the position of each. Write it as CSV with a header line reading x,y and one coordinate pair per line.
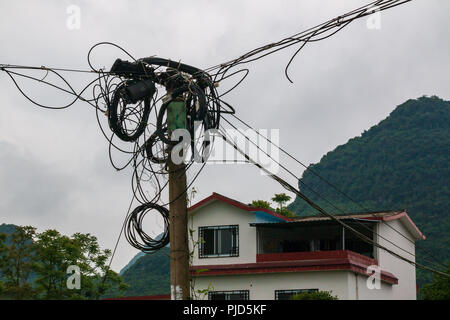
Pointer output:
x,y
178,219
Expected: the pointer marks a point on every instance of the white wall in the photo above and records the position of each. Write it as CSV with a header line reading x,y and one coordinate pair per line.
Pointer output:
x,y
346,285
263,286
404,271
218,213
359,290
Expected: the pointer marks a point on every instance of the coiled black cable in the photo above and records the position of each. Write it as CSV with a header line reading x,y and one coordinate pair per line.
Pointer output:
x,y
135,234
152,156
117,123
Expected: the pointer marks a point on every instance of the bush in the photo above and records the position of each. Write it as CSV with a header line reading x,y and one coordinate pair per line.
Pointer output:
x,y
438,289
317,295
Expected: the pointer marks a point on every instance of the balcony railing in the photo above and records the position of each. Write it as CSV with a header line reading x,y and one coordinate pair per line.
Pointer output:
x,y
297,262
316,255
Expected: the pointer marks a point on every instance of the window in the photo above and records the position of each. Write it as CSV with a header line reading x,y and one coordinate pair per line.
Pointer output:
x,y
287,294
220,241
228,295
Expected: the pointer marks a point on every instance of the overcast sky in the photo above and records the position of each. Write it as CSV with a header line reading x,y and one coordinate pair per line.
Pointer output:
x,y
54,167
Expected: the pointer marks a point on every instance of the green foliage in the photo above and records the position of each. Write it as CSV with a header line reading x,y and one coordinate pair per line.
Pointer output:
x,y
131,262
281,199
317,295
17,262
149,275
47,256
285,212
261,204
401,163
438,289
7,229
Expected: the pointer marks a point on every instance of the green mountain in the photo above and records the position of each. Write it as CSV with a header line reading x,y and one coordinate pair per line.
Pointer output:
x,y
7,229
401,163
131,262
137,256
148,275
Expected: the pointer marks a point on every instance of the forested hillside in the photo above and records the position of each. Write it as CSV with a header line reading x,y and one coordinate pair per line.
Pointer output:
x,y
148,275
401,163
7,229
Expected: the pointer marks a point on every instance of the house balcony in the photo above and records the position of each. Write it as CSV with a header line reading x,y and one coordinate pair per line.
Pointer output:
x,y
300,240
333,260
316,256
319,260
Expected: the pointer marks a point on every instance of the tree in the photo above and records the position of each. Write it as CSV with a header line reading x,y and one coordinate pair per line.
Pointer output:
x,y
17,262
3,249
286,212
97,278
438,289
47,256
317,295
281,199
57,252
261,204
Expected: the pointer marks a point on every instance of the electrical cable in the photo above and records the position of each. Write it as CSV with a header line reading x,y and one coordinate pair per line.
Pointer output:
x,y
436,261
289,187
129,85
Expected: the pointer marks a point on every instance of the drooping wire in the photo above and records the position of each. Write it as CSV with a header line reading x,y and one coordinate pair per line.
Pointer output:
x,y
291,188
435,261
308,168
131,116
314,34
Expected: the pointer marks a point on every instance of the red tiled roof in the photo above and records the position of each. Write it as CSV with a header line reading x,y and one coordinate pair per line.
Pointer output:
x,y
218,197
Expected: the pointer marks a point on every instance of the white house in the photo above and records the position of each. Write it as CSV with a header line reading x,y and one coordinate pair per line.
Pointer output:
x,y
257,254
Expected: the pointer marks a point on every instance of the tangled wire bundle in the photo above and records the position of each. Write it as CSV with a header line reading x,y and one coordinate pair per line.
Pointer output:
x,y
137,115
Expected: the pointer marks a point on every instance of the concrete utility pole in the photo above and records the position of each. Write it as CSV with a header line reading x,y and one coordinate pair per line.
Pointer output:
x,y
178,219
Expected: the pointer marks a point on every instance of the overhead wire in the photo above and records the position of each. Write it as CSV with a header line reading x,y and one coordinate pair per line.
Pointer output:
x,y
290,188
108,83
308,168
306,36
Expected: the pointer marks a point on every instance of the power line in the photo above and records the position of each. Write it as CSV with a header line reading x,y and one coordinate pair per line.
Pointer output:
x,y
132,122
331,185
323,212
44,68
327,29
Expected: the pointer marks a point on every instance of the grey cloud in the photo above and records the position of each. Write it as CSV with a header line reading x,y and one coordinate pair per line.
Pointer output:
x,y
342,86
31,188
